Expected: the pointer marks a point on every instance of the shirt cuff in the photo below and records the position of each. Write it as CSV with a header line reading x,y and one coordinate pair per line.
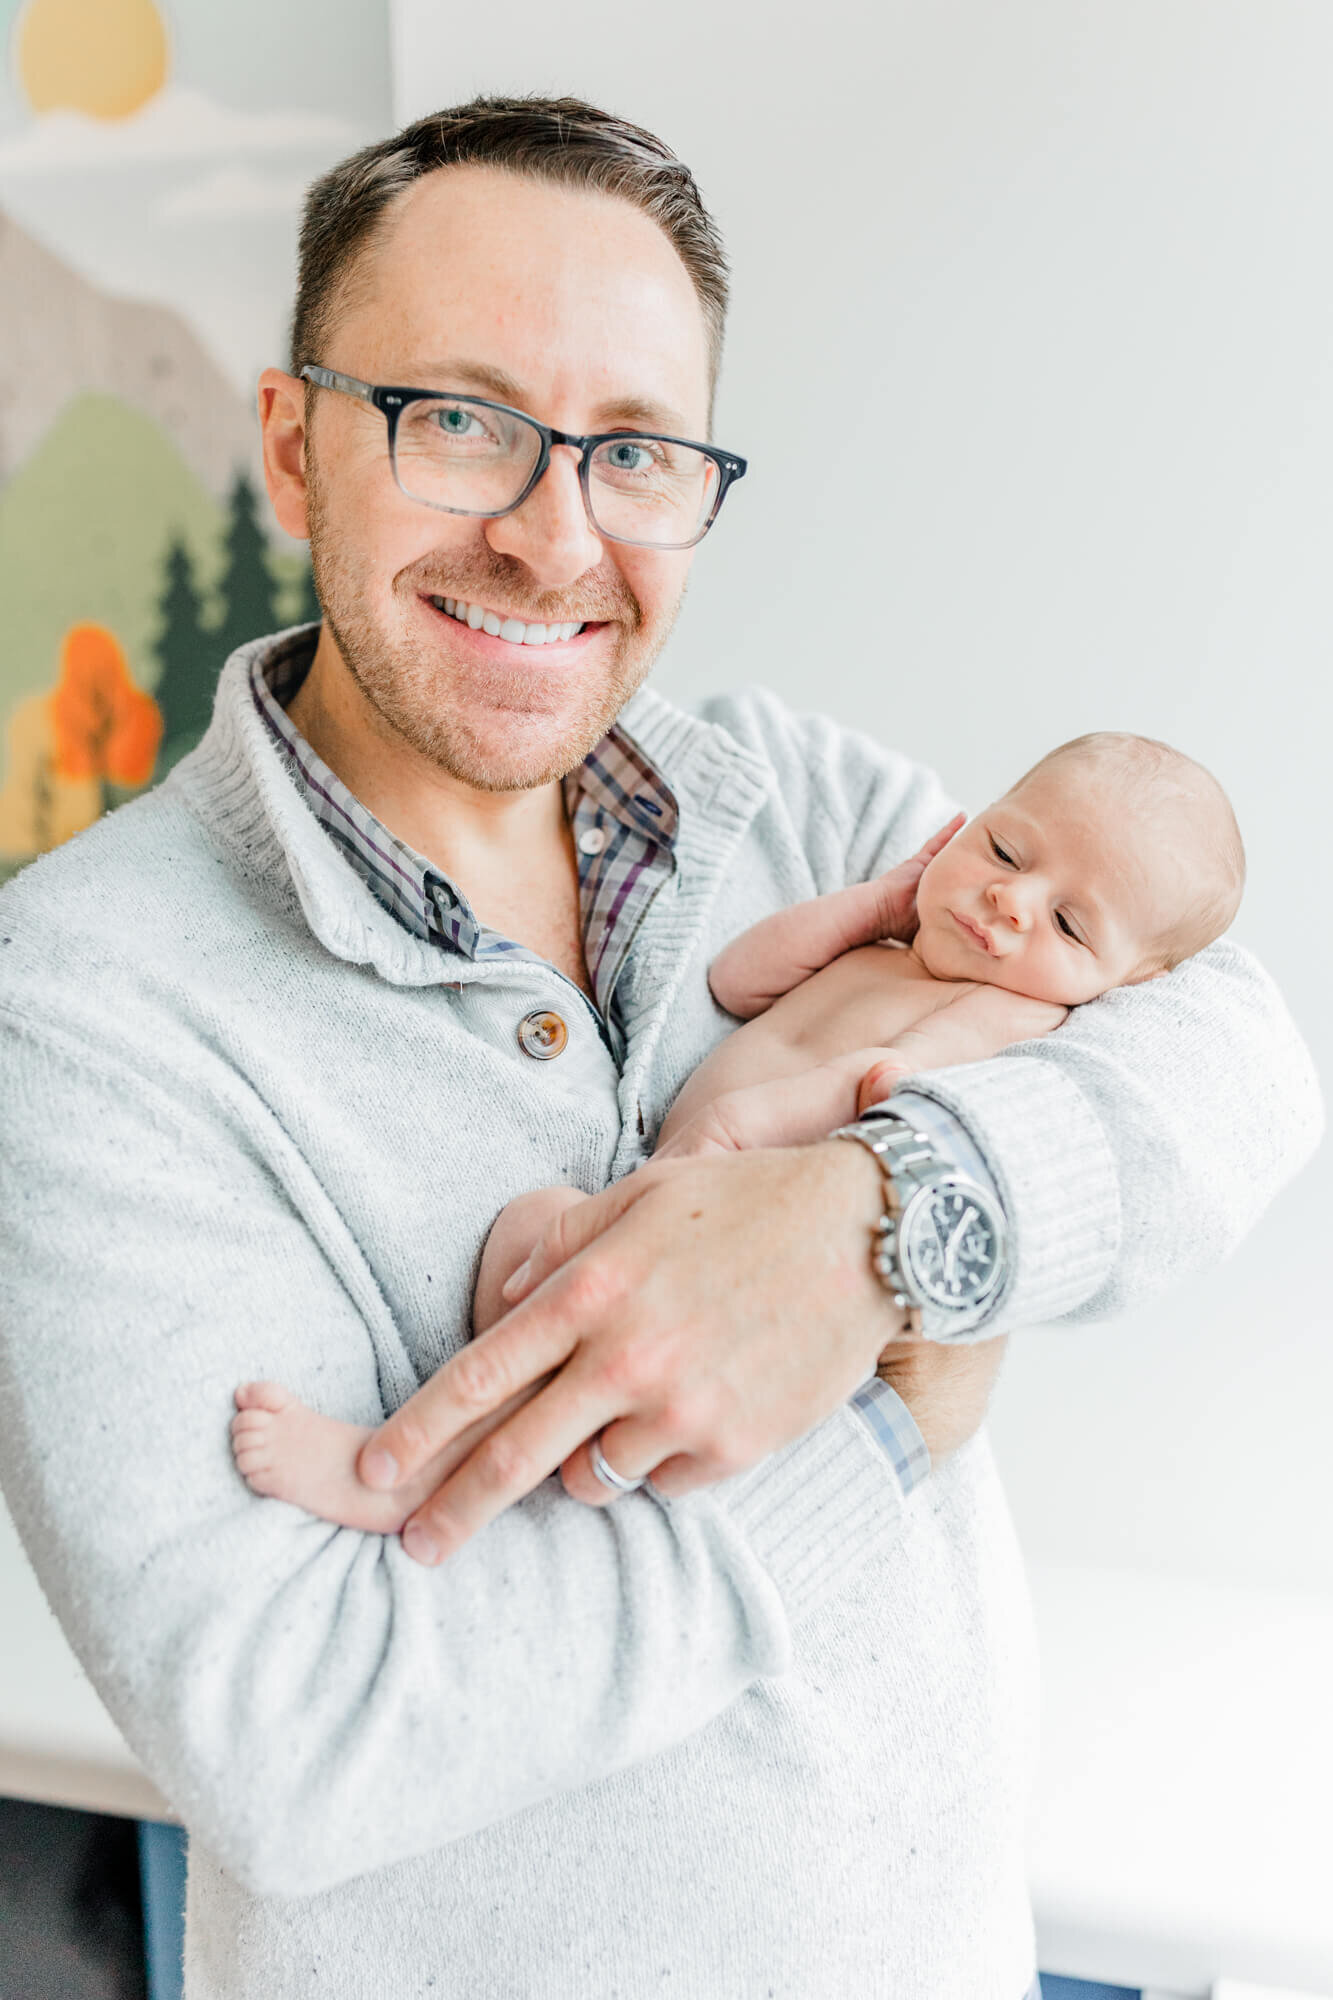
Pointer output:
x,y
893,1427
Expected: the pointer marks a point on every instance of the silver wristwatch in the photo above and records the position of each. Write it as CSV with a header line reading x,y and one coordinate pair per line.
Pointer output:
x,y
941,1245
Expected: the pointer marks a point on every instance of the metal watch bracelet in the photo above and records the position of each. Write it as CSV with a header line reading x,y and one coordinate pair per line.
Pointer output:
x,y
914,1172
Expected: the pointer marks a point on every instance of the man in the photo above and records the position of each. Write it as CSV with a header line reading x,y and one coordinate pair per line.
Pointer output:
x,y
423,923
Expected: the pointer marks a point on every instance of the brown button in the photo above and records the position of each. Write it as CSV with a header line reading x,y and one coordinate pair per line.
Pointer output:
x,y
542,1035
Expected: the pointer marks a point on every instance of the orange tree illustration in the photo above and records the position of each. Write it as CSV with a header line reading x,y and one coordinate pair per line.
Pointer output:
x,y
104,727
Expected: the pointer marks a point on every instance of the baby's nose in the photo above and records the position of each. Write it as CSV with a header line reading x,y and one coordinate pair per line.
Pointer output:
x,y
1010,904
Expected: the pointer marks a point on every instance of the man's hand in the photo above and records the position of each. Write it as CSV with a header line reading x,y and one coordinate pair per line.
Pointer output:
x,y
707,1311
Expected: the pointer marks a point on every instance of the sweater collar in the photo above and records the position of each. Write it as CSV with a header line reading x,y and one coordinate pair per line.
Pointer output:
x,y
238,782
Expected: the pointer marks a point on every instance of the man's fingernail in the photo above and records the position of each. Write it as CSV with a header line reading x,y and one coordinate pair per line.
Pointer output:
x,y
419,1545
379,1469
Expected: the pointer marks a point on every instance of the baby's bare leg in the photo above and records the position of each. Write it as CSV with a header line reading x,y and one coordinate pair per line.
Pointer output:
x,y
289,1452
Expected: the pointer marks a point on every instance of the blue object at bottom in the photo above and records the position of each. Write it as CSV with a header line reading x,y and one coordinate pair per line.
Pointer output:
x,y
1055,1988
162,1881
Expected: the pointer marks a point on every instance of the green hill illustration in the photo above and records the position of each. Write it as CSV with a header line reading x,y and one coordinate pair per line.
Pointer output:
x,y
104,525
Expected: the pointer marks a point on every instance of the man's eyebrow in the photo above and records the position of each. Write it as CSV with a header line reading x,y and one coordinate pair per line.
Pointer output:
x,y
487,380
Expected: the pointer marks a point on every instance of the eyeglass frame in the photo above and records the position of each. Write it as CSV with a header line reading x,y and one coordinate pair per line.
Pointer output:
x,y
391,401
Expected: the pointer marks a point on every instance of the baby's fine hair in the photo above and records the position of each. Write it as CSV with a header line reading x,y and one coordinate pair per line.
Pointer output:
x,y
1190,808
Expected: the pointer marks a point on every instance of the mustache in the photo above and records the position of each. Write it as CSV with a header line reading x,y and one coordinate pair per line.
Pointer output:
x,y
597,601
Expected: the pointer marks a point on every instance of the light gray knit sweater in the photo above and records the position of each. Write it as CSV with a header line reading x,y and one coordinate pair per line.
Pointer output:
x,y
771,1739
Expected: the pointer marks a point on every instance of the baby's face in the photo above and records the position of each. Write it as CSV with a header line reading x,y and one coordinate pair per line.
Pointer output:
x,y
1048,892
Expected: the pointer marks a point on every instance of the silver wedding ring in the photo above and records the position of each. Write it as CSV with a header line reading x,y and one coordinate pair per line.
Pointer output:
x,y
610,1478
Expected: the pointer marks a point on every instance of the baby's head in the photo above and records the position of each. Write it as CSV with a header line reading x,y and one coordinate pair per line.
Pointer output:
x,y
1112,860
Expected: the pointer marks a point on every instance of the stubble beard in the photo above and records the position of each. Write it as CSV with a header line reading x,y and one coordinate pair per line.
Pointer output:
x,y
408,686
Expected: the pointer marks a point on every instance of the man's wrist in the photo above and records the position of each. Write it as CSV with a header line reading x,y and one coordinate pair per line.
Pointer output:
x,y
955,1142
864,1208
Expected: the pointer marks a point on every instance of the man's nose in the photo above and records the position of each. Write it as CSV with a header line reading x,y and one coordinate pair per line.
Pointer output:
x,y
550,533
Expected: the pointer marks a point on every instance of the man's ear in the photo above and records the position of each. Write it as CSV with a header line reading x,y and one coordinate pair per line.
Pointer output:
x,y
282,424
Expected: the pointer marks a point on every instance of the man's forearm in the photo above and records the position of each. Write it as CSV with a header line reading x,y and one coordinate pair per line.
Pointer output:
x,y
346,1708
1126,1155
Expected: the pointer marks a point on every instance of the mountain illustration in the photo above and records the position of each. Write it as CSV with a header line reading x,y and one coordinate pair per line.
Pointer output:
x,y
62,336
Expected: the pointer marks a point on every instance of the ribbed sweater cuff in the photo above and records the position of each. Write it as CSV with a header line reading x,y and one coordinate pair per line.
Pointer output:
x,y
1056,1176
816,1510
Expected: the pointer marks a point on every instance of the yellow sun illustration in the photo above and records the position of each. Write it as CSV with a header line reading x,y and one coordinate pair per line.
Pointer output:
x,y
102,57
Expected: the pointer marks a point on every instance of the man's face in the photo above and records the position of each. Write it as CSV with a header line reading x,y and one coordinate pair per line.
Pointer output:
x,y
575,308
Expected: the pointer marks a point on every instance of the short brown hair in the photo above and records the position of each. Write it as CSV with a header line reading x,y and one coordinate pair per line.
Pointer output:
x,y
556,139
1207,837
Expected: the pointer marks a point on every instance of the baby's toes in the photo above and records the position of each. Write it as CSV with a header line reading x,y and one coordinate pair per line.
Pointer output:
x,y
263,1396
252,1439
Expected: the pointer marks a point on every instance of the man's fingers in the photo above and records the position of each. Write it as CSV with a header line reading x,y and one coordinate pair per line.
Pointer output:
x,y
641,1451
506,1466
515,1353
574,1229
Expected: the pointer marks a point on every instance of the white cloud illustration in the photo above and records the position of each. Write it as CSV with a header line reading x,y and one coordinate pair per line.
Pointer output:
x,y
174,125
234,191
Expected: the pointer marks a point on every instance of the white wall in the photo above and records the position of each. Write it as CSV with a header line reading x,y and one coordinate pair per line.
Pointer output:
x,y
1031,357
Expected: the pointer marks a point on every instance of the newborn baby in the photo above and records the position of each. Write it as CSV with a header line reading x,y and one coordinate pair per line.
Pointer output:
x,y
1110,862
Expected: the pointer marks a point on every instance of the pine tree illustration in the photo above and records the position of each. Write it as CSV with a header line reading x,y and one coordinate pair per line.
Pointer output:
x,y
249,592
188,657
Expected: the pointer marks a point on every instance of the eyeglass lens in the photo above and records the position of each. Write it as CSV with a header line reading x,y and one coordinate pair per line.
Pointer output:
x,y
474,459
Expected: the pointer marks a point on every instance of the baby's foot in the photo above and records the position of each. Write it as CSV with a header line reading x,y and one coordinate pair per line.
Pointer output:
x,y
288,1452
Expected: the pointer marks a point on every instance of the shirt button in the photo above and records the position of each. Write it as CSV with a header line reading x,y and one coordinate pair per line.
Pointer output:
x,y
542,1035
592,840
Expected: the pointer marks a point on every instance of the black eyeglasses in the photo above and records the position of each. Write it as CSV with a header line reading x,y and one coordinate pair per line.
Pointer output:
x,y
466,455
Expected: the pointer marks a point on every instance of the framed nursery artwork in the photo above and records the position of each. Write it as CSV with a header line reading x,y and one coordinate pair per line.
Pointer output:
x,y
153,157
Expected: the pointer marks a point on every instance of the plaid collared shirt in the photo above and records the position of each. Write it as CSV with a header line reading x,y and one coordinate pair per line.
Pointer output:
x,y
621,810
624,817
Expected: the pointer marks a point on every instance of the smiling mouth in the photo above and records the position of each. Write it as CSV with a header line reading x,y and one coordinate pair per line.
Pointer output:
x,y
499,625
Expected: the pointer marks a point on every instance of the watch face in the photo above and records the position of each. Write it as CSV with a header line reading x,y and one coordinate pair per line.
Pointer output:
x,y
950,1242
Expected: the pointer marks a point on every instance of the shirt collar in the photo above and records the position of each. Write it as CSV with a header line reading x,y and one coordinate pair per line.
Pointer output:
x,y
617,777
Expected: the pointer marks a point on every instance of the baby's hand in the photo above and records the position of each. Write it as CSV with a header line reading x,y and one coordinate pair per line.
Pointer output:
x,y
880,1080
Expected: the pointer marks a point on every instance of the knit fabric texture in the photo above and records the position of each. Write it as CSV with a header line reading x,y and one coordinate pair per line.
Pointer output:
x,y
772,1738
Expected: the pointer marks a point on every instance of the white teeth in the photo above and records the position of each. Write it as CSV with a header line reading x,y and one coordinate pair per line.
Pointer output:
x,y
512,629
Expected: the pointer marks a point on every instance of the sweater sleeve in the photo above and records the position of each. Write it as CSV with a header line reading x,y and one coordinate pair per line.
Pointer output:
x,y
315,1704
1127,1155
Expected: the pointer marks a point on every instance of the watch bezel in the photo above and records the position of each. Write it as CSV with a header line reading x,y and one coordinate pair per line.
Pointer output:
x,y
925,1196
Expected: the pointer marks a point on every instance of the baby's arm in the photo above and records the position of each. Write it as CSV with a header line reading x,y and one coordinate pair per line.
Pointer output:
x,y
780,951
981,1022
776,954
799,1109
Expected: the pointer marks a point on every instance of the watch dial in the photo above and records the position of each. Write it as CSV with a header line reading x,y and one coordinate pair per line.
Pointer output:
x,y
949,1243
